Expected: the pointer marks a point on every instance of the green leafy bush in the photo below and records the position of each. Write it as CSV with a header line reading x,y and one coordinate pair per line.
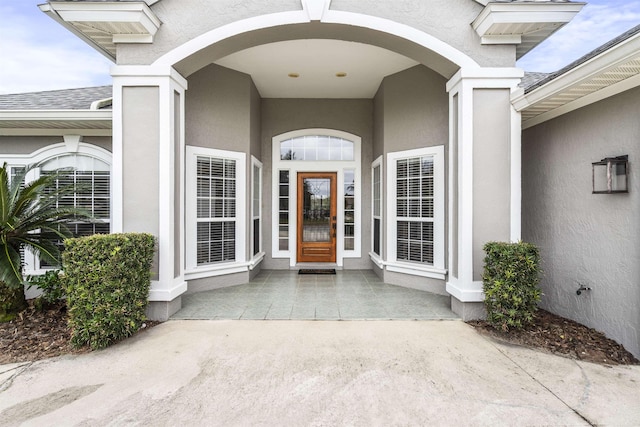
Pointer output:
x,y
51,286
107,279
510,283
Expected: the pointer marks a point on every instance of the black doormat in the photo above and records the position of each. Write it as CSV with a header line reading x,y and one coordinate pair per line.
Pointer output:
x,y
317,271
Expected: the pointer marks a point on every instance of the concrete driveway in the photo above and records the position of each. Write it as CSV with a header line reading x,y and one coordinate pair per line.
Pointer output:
x,y
313,373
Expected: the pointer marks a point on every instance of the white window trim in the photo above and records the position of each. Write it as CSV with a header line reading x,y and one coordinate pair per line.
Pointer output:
x,y
295,166
71,146
437,271
192,270
259,256
377,258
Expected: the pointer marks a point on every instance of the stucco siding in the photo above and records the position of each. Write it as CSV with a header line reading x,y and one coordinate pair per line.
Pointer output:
x,y
140,130
218,109
255,148
29,144
415,115
256,123
378,123
223,112
352,115
184,20
416,109
447,20
584,238
491,171
140,154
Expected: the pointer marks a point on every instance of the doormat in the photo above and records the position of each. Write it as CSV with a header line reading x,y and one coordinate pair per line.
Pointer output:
x,y
317,271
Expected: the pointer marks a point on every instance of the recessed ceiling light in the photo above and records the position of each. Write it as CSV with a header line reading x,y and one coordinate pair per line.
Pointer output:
x,y
341,74
293,75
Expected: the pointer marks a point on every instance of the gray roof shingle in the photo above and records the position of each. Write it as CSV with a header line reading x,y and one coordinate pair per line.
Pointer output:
x,y
66,99
530,78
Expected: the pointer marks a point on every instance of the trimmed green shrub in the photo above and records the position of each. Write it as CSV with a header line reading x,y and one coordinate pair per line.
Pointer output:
x,y
107,279
12,302
510,283
51,286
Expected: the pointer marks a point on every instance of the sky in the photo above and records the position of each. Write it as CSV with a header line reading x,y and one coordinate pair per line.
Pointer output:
x,y
37,53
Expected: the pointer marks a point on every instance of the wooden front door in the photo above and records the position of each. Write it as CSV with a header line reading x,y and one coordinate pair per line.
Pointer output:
x,y
316,234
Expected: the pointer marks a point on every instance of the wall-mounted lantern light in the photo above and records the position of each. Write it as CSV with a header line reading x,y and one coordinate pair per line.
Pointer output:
x,y
611,175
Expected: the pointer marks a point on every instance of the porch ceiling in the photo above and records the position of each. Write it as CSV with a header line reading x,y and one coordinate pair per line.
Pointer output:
x,y
324,68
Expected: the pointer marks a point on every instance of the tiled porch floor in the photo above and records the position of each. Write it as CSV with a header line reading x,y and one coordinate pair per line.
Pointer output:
x,y
347,295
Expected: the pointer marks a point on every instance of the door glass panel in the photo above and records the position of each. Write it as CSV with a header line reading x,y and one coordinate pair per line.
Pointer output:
x,y
317,210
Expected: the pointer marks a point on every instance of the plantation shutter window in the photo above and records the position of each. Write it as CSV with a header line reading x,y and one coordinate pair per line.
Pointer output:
x,y
216,201
91,180
414,209
216,210
416,212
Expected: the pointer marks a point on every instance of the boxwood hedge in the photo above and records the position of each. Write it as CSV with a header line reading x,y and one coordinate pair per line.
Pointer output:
x,y
510,282
107,279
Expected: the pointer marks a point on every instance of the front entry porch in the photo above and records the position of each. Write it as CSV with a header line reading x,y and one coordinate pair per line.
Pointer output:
x,y
286,295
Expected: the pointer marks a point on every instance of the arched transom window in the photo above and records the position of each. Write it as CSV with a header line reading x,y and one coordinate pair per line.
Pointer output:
x,y
317,148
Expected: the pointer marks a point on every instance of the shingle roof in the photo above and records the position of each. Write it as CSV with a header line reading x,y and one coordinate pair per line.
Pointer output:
x,y
534,84
67,99
530,78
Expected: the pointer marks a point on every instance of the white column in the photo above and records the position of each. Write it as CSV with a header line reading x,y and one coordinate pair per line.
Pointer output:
x,y
464,287
169,282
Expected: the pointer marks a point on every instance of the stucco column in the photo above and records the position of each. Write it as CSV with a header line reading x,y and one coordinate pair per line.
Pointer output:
x,y
484,177
148,158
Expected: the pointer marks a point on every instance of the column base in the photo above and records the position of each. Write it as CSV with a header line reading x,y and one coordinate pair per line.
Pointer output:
x,y
162,310
468,310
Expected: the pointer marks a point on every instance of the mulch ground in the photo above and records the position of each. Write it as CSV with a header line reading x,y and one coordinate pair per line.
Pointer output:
x,y
557,335
36,335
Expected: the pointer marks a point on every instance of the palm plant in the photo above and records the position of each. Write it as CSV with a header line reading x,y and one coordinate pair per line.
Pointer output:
x,y
30,218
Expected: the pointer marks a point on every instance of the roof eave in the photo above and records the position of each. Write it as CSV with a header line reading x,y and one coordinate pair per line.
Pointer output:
x,y
46,8
524,24
105,24
625,54
55,122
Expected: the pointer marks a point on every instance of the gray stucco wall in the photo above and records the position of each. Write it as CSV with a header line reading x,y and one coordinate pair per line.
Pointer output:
x,y
349,115
256,151
491,171
184,20
256,123
140,165
415,114
416,110
447,20
140,154
29,144
378,123
218,109
584,238
223,112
